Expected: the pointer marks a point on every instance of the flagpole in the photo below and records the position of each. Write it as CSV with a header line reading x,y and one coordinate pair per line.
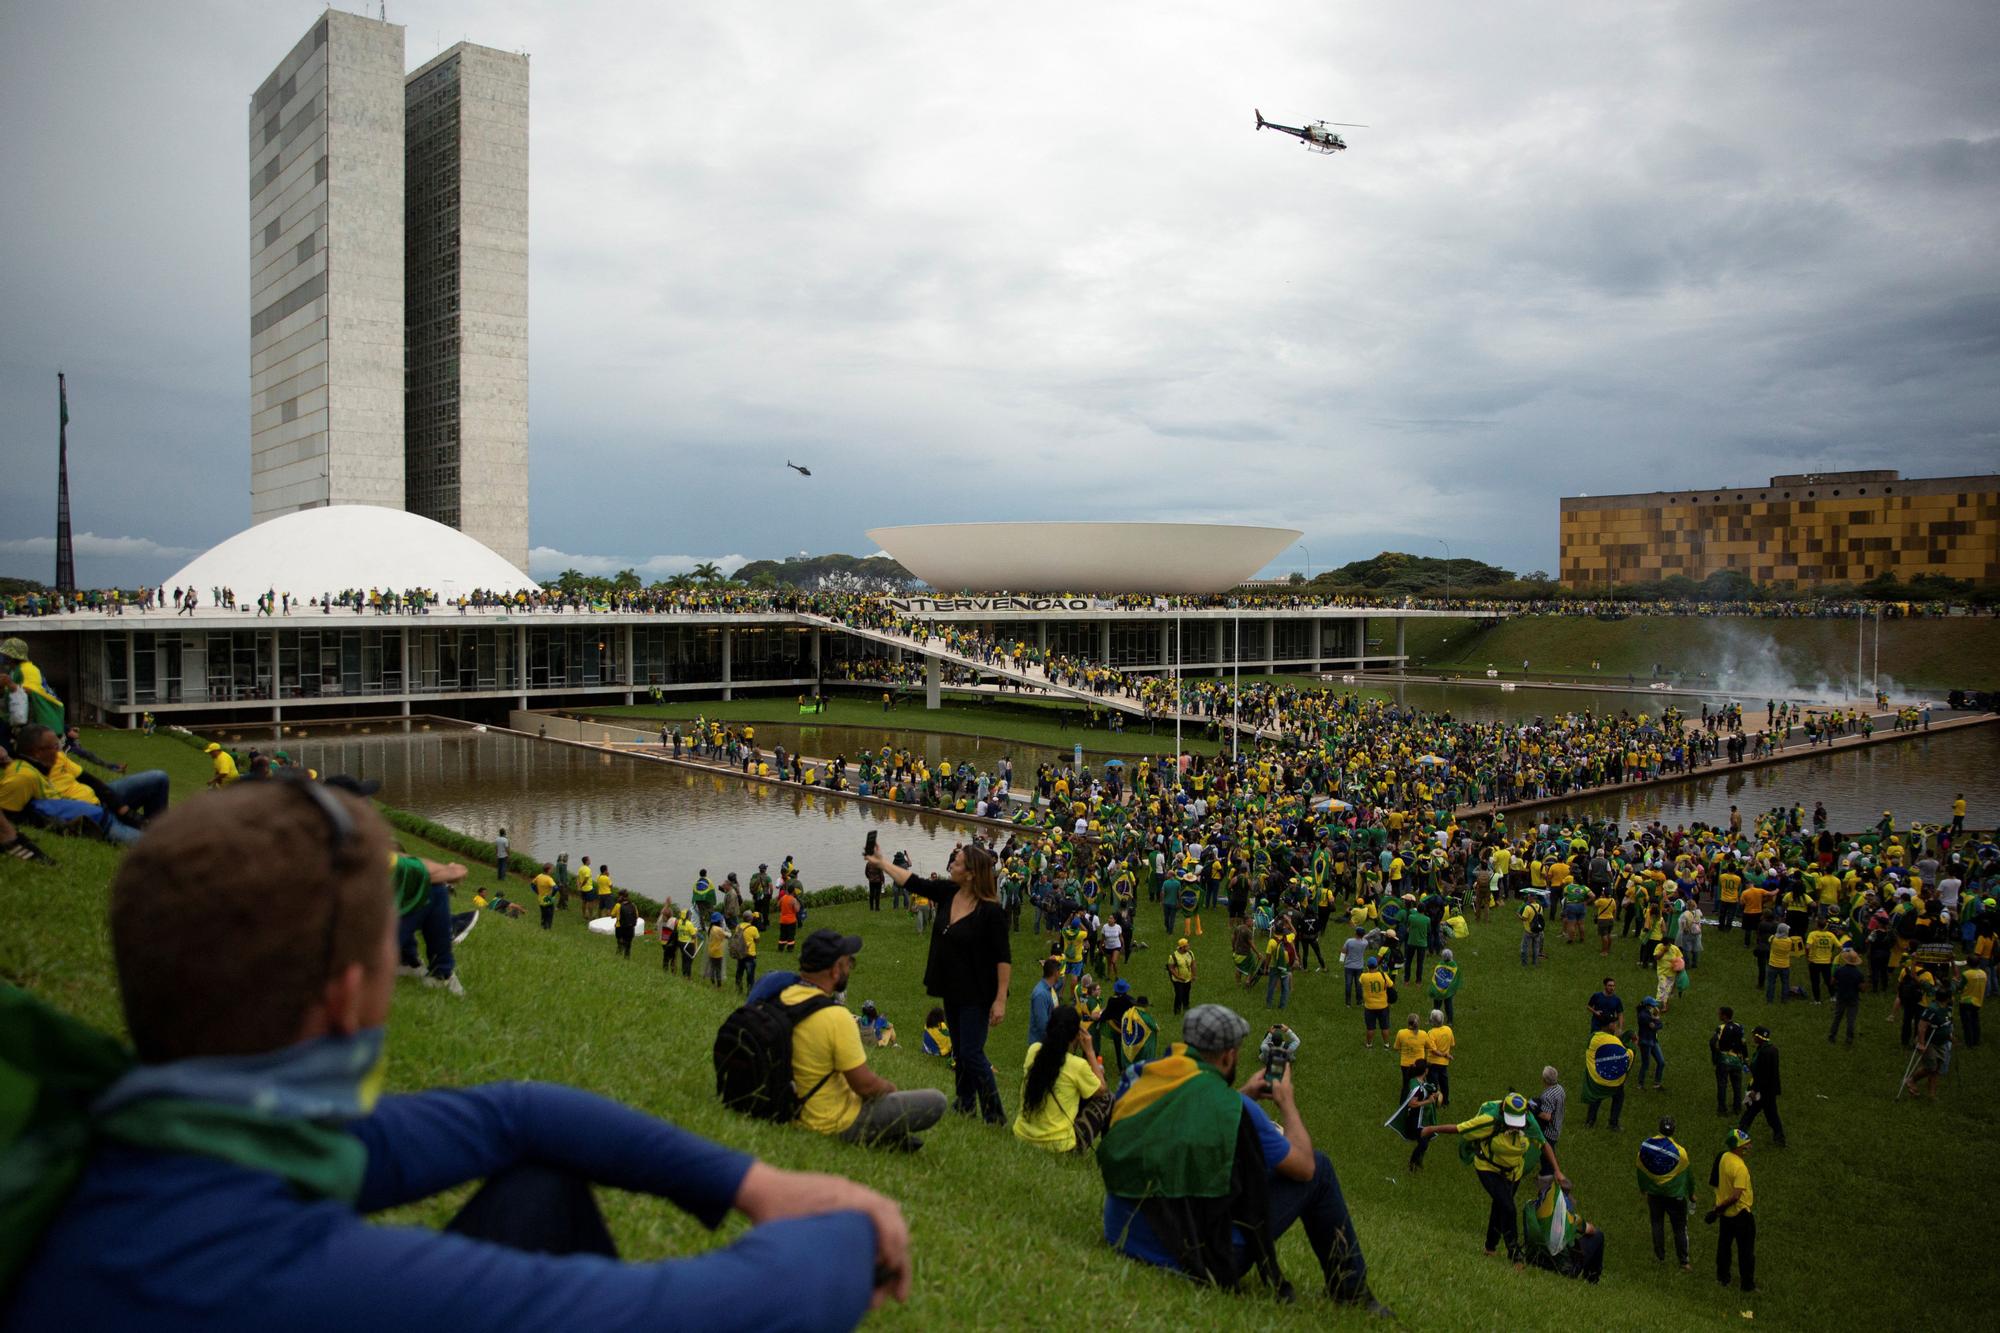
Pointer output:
x,y
65,549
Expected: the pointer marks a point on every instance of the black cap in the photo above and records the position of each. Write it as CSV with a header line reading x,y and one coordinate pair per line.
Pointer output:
x,y
1667,1125
823,948
1761,1033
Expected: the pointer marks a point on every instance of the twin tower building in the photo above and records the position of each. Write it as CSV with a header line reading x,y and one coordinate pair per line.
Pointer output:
x,y
389,282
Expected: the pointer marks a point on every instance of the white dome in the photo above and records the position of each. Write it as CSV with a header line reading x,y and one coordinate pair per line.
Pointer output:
x,y
1083,557
338,547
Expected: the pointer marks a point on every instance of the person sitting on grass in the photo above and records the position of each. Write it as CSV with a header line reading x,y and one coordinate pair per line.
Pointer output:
x,y
44,784
937,1035
873,1028
221,1179
1065,1102
838,1093
1198,1179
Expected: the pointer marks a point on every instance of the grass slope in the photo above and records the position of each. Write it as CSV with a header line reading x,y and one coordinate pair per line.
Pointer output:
x,y
1012,721
1956,652
1866,1214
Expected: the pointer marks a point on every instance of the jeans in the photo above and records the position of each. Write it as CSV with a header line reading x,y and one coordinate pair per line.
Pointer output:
x,y
1663,1211
1778,981
1319,1204
1741,1232
1531,948
1968,1021
896,1116
1728,1082
1844,1010
1617,1107
1279,985
1820,972
746,973
972,1074
1182,990
548,916
145,794
432,919
1500,1220
1413,961
1650,1051
1350,984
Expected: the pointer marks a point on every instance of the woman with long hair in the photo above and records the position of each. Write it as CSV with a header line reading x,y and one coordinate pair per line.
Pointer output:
x,y
1065,1101
971,962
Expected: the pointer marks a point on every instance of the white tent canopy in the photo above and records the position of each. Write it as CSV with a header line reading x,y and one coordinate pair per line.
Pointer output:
x,y
329,550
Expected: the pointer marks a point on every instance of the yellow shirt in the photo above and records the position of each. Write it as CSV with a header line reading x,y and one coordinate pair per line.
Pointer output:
x,y
1607,907
1733,1173
1820,946
1729,887
225,767
1409,1047
545,888
1180,965
1973,991
1052,1125
827,1043
750,934
718,940
1374,990
604,889
1783,947
1438,1043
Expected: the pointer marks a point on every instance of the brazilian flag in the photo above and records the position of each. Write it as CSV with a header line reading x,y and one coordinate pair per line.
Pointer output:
x,y
1606,1063
1663,1169
1173,1132
1550,1221
1444,981
1138,1035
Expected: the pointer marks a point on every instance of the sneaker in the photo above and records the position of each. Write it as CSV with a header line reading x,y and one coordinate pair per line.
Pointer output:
x,y
23,850
450,984
403,970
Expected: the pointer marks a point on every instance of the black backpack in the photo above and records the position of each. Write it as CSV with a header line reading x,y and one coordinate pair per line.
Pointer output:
x,y
753,1058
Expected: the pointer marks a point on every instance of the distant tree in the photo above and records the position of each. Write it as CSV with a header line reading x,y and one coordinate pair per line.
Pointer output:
x,y
707,571
627,580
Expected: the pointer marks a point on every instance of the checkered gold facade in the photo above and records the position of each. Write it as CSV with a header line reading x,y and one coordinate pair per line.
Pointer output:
x,y
1802,531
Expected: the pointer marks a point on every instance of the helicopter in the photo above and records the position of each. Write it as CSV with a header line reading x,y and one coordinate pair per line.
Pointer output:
x,y
802,471
1318,136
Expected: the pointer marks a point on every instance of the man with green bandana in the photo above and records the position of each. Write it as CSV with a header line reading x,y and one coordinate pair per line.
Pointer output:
x,y
1174,1193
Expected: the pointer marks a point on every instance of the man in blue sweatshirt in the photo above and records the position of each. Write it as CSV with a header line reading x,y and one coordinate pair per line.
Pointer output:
x,y
231,1164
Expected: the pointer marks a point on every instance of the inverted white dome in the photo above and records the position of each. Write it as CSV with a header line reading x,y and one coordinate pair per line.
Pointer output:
x,y
332,549
1083,557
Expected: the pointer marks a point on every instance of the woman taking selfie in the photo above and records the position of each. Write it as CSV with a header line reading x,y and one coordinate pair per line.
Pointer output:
x,y
971,962
1065,1103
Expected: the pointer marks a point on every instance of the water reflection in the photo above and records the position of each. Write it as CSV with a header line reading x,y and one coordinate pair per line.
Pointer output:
x,y
1916,779
657,824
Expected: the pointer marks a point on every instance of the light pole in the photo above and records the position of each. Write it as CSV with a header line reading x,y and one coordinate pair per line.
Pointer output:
x,y
1177,703
1236,664
1309,562
1447,565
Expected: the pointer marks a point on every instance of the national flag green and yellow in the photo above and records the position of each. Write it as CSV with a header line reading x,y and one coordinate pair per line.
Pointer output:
x,y
1173,1132
1663,1168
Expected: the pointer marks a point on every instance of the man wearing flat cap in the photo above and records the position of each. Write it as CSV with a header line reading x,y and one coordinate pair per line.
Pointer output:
x,y
1198,1178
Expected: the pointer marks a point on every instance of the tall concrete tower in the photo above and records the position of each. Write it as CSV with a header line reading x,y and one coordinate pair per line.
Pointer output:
x,y
389,282
326,272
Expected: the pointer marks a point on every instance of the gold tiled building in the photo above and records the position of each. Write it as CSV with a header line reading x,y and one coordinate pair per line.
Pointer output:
x,y
1802,530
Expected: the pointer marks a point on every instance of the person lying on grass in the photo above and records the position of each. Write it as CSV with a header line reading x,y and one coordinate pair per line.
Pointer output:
x,y
218,1175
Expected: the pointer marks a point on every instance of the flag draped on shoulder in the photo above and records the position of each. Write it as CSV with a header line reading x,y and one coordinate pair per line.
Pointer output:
x,y
1663,1168
1173,1133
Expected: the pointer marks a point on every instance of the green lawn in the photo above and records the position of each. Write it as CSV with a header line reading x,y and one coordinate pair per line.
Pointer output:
x,y
1874,1211
1012,720
1939,654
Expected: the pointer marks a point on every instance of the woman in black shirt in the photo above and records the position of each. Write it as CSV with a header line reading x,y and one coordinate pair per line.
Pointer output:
x,y
971,962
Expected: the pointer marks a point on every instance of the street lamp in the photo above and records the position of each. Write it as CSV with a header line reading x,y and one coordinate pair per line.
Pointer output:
x,y
1447,565
1309,562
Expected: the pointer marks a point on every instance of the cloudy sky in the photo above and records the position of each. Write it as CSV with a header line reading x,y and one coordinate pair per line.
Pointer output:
x,y
1032,261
